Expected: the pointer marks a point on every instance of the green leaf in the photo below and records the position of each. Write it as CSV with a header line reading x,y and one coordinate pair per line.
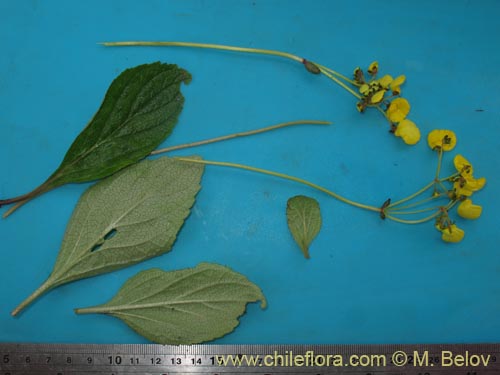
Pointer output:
x,y
139,111
182,307
124,219
304,220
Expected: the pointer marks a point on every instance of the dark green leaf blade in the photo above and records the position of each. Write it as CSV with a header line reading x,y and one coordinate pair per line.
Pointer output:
x,y
304,220
125,219
182,307
139,111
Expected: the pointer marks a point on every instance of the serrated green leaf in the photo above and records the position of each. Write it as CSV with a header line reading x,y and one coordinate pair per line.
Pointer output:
x,y
125,219
139,111
304,220
182,307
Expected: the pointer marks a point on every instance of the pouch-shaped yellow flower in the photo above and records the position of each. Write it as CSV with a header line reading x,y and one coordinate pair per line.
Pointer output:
x,y
398,81
462,165
398,110
408,131
364,89
451,233
445,139
468,210
385,81
467,183
461,188
373,68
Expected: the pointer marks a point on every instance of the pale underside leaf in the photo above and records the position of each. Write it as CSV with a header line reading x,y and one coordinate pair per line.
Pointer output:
x,y
182,307
304,220
127,218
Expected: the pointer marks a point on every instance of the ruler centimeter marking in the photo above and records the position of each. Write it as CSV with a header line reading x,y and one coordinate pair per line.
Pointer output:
x,y
110,359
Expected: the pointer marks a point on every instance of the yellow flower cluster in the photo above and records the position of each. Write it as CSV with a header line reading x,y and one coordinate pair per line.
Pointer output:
x,y
377,91
464,185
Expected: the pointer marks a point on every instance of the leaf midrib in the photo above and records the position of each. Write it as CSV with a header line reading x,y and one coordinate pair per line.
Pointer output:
x,y
111,309
60,170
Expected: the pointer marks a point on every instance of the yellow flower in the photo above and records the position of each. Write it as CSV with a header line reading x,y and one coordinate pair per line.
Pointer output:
x,y
461,188
462,165
385,81
360,107
396,84
398,81
377,97
358,75
408,131
396,90
373,68
451,233
398,110
467,210
364,89
445,139
466,184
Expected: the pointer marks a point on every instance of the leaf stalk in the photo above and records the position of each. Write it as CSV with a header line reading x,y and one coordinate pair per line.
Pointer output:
x,y
45,287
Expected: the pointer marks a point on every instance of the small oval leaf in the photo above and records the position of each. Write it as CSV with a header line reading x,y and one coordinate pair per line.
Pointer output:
x,y
182,307
304,220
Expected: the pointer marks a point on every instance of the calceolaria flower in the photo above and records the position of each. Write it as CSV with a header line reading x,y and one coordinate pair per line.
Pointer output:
x,y
385,81
374,92
398,110
442,139
468,210
408,131
465,184
396,84
451,233
373,68
359,77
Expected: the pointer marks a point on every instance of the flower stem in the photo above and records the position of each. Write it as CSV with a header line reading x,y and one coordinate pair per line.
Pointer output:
x,y
425,219
284,176
340,83
337,74
242,134
205,45
440,184
440,159
402,212
449,177
425,188
326,71
399,208
419,221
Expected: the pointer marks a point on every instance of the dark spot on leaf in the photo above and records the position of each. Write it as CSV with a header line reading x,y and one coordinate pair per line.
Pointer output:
x,y
110,234
96,247
107,236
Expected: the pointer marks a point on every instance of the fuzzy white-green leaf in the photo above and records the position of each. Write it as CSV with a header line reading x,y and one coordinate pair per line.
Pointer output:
x,y
304,220
124,219
182,307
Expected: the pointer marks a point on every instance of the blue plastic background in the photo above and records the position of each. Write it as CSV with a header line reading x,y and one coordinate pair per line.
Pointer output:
x,y
368,281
